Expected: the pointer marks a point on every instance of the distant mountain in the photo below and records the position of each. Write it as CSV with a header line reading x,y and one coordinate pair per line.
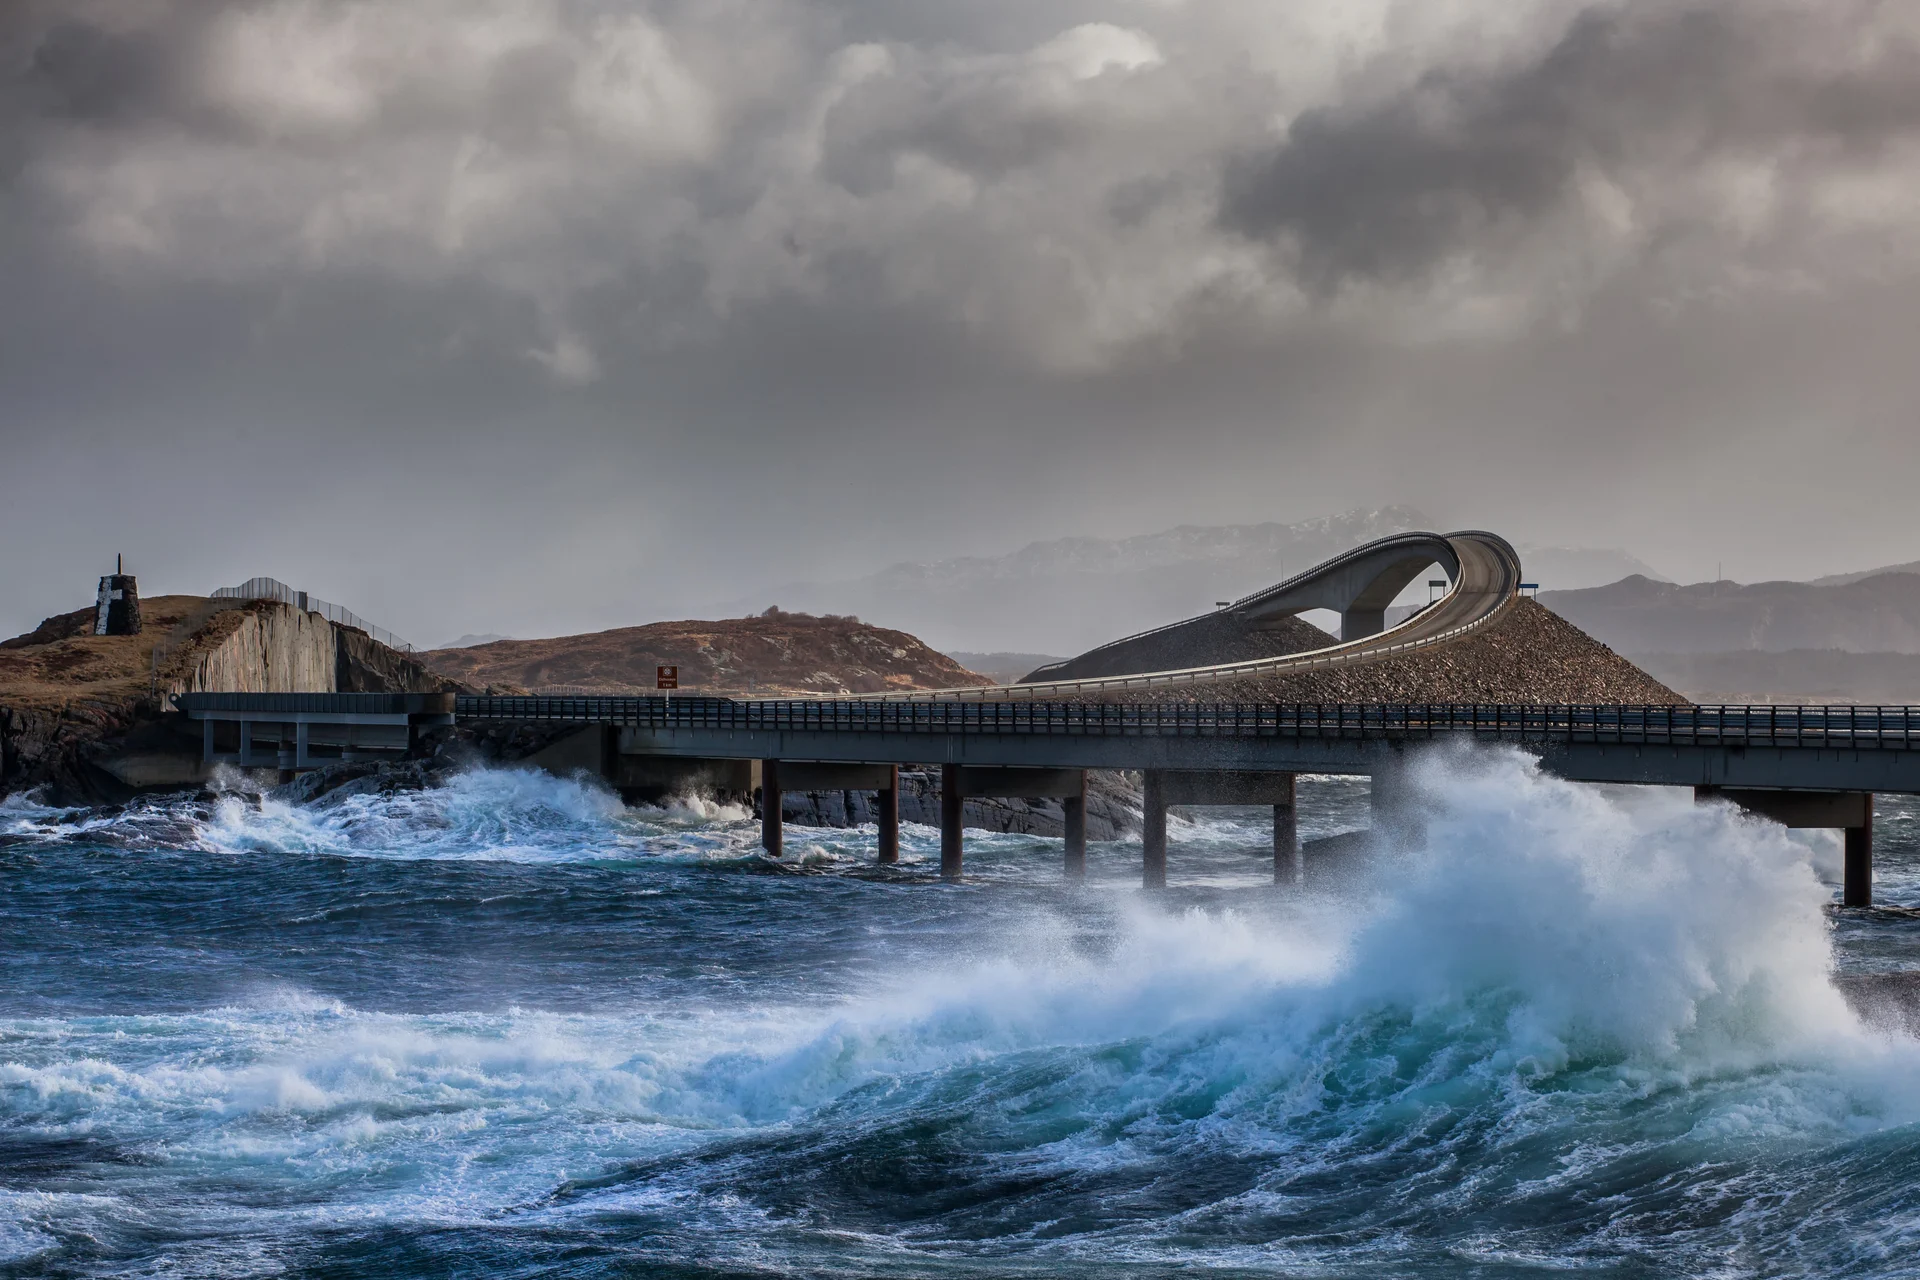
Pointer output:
x,y
1573,568
1795,676
1071,594
1004,668
1877,614
1847,579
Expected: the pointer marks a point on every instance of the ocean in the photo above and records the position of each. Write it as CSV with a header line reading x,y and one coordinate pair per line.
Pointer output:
x,y
512,1027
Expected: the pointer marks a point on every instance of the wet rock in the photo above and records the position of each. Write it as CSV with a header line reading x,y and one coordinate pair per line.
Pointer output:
x,y
1113,807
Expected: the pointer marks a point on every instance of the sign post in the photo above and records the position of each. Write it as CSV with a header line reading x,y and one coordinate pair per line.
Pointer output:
x,y
667,679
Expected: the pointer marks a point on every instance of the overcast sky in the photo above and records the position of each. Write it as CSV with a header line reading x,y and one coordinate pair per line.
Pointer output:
x,y
524,316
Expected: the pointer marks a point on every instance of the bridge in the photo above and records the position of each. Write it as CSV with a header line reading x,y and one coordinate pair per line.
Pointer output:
x,y
1802,766
1483,573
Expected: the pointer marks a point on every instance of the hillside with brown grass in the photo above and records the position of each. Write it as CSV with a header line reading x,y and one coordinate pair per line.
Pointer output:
x,y
62,659
772,654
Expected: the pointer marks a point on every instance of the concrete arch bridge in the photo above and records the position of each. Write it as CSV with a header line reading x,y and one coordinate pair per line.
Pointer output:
x,y
1483,573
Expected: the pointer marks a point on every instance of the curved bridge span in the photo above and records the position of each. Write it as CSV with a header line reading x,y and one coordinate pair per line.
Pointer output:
x,y
1484,578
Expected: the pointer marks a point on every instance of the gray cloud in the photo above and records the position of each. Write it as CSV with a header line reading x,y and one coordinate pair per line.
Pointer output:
x,y
1462,160
686,296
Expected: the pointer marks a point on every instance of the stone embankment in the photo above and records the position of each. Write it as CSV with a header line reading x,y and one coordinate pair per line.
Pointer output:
x,y
1527,654
1205,641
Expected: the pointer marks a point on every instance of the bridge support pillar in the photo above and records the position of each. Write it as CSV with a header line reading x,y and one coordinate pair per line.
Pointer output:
x,y
206,742
1396,813
770,824
246,745
1288,865
886,815
1856,888
950,802
1153,836
284,755
1074,812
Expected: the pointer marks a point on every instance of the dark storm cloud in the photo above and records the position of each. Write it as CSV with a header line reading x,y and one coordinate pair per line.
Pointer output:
x,y
1460,158
687,295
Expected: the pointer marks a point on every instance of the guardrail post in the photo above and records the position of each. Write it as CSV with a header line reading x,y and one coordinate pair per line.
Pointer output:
x,y
1074,811
886,815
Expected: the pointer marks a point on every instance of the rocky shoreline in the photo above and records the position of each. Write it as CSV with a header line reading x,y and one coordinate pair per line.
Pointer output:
x,y
1114,807
1113,798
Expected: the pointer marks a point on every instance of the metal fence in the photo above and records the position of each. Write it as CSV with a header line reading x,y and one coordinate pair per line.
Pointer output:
x,y
274,589
1879,727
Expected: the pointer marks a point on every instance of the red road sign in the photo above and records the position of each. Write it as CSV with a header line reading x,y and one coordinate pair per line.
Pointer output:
x,y
666,677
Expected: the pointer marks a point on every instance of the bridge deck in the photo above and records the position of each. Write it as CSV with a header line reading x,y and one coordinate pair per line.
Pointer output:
x,y
1849,748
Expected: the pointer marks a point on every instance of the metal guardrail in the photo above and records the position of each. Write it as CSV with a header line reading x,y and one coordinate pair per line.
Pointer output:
x,y
1876,727
318,704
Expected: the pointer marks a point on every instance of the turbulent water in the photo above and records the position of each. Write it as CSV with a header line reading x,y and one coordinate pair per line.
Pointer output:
x,y
511,1027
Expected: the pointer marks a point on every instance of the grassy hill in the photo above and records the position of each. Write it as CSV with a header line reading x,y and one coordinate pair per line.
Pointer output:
x,y
770,654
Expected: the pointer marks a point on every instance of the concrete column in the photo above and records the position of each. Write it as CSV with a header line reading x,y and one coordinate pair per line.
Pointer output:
x,y
1153,840
950,800
1857,888
1074,810
886,807
301,742
770,825
246,744
206,742
284,756
1396,812
1289,866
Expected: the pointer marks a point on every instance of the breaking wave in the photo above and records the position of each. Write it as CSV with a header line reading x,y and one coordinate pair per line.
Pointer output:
x,y
1573,1028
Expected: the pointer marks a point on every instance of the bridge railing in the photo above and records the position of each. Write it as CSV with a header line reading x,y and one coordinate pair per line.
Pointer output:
x,y
1879,727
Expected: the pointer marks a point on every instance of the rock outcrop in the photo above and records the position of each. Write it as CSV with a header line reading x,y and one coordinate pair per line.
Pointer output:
x,y
87,716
